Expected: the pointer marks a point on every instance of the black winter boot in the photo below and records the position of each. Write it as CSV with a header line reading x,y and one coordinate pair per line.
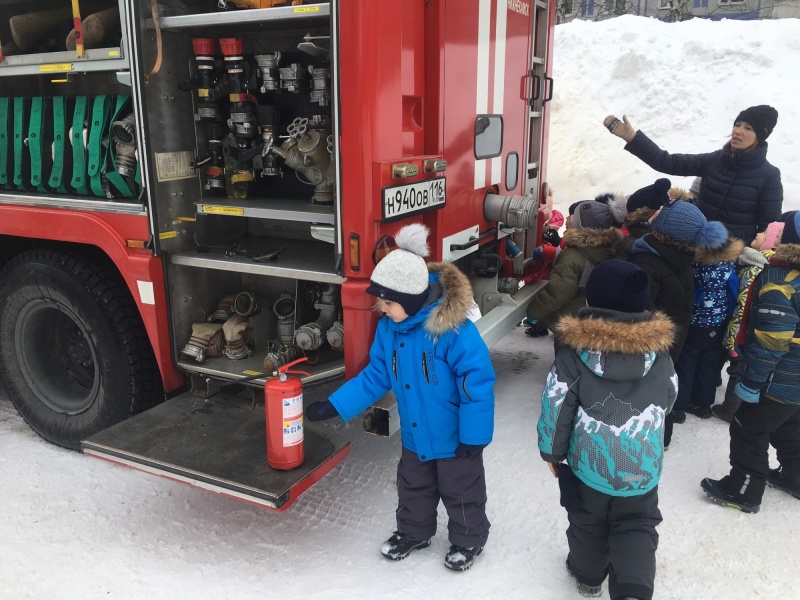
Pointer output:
x,y
459,558
717,493
584,589
781,480
399,546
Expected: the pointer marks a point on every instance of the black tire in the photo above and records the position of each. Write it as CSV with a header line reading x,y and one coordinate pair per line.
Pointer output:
x,y
74,355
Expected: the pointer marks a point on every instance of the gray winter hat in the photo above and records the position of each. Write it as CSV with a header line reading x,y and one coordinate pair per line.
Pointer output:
x,y
592,215
402,275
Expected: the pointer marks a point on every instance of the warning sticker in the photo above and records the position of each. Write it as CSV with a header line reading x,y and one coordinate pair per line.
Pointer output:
x,y
292,407
293,432
220,210
174,165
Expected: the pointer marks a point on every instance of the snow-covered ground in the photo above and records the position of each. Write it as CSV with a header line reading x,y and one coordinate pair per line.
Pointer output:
x,y
75,528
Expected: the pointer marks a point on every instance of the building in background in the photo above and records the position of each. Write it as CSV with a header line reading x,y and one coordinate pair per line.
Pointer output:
x,y
678,10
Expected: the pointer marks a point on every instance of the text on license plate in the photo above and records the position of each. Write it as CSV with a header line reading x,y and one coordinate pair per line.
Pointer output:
x,y
411,198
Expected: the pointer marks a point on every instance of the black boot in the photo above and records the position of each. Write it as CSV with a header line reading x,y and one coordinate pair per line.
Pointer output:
x,y
584,589
781,480
717,493
399,546
459,558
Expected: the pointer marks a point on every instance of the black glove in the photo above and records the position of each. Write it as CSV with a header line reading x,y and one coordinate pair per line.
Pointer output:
x,y
568,486
469,449
319,411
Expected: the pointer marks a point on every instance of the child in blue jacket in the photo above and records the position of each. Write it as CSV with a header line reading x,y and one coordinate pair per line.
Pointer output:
x,y
432,357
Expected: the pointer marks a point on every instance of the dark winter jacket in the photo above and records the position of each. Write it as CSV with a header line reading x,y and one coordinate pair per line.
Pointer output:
x,y
565,294
716,285
439,369
671,281
771,352
741,189
605,399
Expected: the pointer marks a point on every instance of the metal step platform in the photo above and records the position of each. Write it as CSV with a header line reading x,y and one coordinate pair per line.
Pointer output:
x,y
219,445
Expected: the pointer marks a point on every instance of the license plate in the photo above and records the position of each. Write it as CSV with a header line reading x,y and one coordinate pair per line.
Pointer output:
x,y
411,198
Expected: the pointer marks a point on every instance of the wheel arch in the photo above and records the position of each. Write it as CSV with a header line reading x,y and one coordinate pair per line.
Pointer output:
x,y
103,237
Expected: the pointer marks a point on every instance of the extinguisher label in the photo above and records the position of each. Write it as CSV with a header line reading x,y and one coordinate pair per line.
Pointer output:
x,y
292,407
293,432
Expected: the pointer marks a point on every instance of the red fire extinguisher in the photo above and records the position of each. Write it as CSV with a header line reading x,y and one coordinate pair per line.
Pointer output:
x,y
283,402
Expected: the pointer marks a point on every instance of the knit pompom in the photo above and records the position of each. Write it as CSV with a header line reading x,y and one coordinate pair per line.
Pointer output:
x,y
413,238
616,203
712,236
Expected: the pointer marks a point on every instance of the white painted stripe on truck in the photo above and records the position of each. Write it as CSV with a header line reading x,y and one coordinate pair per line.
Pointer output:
x,y
499,77
482,78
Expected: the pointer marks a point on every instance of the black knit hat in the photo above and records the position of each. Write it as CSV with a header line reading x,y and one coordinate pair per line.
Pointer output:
x,y
618,285
762,119
651,196
791,223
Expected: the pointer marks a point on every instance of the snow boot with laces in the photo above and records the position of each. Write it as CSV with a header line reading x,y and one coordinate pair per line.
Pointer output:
x,y
459,558
400,545
584,589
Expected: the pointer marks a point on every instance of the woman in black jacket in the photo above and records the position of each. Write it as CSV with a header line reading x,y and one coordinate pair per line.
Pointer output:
x,y
739,187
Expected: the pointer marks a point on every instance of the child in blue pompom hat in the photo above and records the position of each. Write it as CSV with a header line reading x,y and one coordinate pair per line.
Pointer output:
x,y
667,254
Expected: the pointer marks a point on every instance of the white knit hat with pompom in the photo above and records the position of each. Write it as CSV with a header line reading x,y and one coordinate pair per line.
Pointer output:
x,y
402,275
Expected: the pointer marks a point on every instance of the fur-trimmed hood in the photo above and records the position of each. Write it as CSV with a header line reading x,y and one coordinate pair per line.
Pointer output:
x,y
591,238
610,331
730,252
640,215
787,253
456,300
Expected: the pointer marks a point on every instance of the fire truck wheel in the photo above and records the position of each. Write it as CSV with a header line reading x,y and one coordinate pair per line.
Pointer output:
x,y
82,361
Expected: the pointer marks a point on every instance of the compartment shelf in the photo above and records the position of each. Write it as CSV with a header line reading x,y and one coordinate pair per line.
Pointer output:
x,y
329,363
268,208
309,261
59,63
300,13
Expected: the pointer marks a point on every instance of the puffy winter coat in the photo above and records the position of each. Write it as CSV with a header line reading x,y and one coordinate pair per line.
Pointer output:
x,y
606,397
565,292
741,189
439,369
771,352
716,285
671,283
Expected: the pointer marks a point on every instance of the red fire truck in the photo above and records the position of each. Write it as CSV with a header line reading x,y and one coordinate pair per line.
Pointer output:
x,y
194,193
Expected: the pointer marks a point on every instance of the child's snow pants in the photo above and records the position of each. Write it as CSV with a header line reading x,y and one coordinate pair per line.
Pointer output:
x,y
459,482
615,536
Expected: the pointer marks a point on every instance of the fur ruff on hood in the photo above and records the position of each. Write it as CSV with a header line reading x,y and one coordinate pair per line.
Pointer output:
x,y
456,303
591,238
679,194
729,252
653,334
640,215
788,253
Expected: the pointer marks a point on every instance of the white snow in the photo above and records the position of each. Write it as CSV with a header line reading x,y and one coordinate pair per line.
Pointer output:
x,y
76,528
683,84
